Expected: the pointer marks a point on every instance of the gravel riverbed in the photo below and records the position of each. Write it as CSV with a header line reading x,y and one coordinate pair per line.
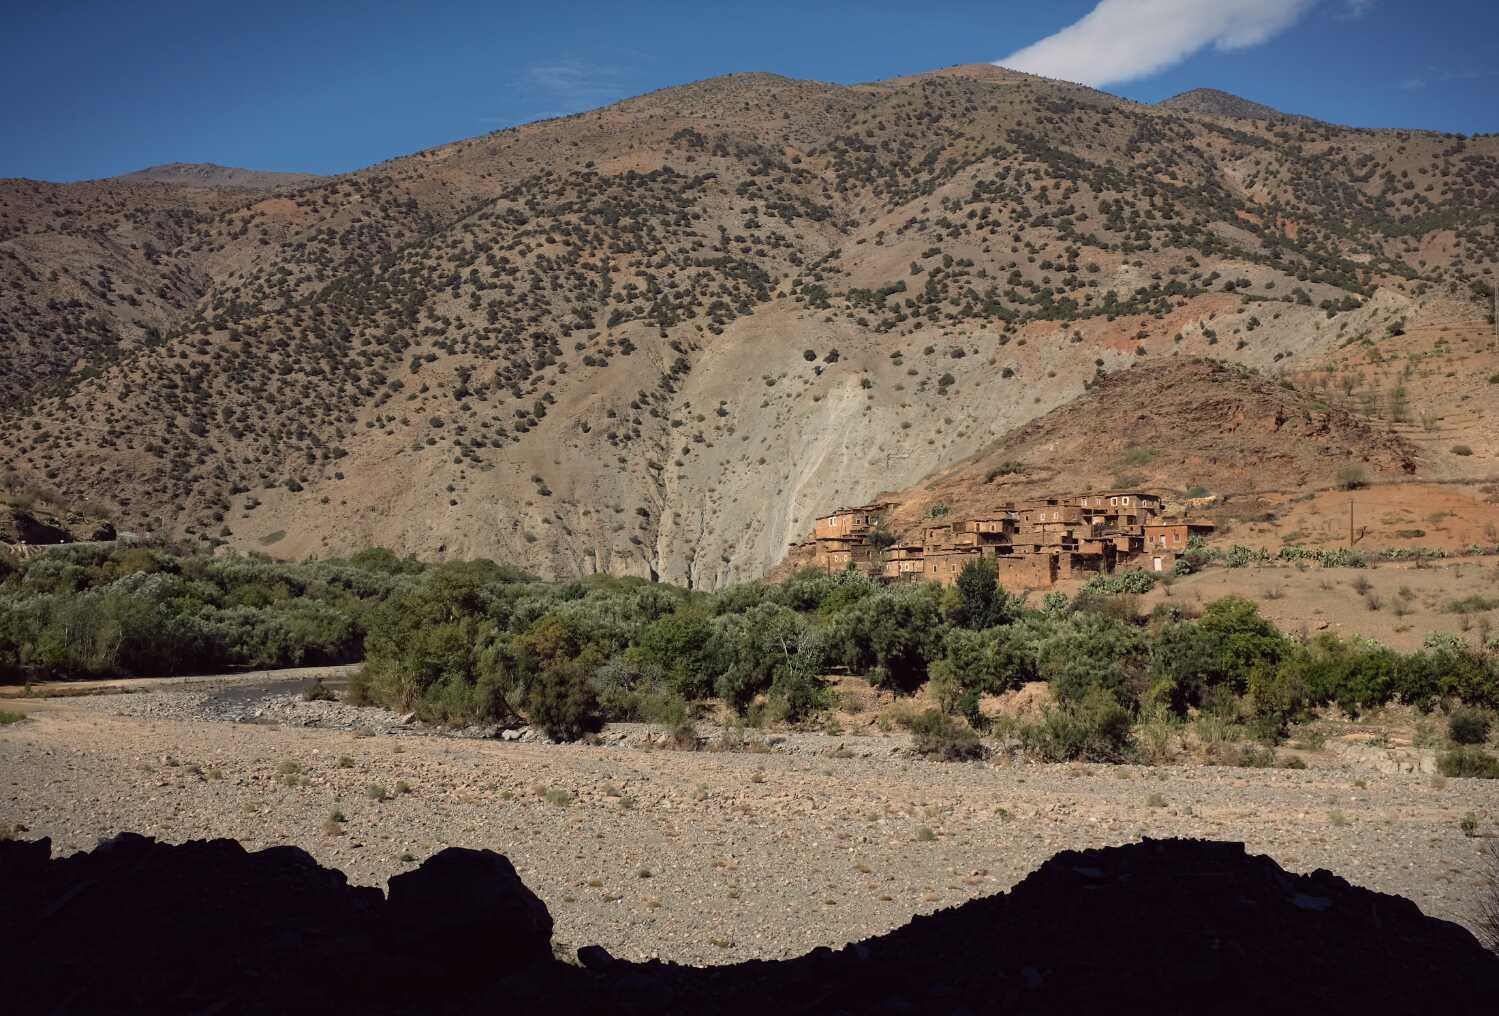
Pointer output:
x,y
695,856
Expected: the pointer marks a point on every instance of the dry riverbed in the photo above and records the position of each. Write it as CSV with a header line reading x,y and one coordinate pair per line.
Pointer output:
x,y
699,857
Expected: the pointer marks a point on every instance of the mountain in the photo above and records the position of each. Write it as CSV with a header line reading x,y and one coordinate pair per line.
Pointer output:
x,y
660,337
1212,102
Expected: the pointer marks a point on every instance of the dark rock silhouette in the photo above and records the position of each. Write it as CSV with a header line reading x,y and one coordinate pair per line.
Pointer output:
x,y
1170,926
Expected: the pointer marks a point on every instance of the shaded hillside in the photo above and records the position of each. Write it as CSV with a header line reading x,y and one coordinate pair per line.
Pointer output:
x,y
657,338
1170,926
1171,425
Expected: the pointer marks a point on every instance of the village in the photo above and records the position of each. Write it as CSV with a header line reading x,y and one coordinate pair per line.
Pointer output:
x,y
1034,544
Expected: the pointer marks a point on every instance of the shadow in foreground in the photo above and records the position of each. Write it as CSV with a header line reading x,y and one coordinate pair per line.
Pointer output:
x,y
1166,926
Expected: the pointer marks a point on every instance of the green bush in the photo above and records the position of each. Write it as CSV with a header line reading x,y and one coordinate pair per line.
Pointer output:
x,y
1467,725
978,602
1224,649
1468,763
1095,729
746,649
1133,581
1078,652
562,702
985,662
890,636
678,644
937,736
796,692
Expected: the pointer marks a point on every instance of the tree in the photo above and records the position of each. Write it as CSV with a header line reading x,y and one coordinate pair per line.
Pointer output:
x,y
891,636
980,602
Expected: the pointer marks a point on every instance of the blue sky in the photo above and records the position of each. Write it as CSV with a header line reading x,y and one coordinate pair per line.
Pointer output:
x,y
98,88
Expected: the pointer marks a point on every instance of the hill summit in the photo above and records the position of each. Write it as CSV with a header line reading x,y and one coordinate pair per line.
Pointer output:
x,y
1212,102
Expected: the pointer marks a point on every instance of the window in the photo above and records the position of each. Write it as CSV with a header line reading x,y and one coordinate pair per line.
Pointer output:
x,y
1113,500
1176,537
1124,500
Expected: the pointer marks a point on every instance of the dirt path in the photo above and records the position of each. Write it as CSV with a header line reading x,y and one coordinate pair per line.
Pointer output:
x,y
706,857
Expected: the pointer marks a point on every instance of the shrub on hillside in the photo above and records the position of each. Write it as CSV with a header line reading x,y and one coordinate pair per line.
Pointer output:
x,y
941,737
1093,729
1132,581
796,692
1467,725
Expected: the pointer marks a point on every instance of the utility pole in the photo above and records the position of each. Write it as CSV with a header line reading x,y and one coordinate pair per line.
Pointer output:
x,y
1350,523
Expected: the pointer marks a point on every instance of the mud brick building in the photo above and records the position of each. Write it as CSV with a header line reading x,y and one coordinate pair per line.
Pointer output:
x,y
1034,544
851,537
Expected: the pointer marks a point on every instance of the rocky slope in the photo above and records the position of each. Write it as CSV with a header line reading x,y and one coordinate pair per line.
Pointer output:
x,y
1176,425
660,337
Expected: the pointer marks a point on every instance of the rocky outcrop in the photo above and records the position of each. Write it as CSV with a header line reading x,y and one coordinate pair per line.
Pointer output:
x,y
1171,926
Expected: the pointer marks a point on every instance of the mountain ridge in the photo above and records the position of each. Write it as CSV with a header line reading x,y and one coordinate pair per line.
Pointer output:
x,y
583,344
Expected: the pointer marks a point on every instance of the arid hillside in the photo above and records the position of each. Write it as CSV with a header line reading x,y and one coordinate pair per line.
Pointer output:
x,y
660,337
1177,425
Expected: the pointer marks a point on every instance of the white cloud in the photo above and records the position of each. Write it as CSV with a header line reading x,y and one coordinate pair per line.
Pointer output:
x,y
1121,40
1354,9
577,83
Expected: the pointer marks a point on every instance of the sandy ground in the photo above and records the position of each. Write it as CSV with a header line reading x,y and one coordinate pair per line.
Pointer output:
x,y
709,857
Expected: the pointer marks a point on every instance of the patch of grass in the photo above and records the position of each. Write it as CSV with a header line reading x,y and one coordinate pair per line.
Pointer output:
x,y
402,787
925,835
345,762
1474,604
7,717
1309,739
270,538
1337,818
376,792
1135,456
1469,825
1155,801
558,796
